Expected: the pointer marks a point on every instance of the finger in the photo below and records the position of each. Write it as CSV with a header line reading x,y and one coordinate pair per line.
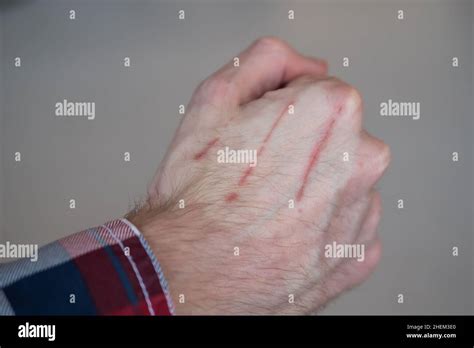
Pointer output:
x,y
266,65
344,277
348,219
352,272
368,231
345,227
372,160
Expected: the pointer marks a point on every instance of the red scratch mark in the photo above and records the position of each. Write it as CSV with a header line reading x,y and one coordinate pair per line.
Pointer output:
x,y
246,174
203,152
275,124
231,197
314,156
249,170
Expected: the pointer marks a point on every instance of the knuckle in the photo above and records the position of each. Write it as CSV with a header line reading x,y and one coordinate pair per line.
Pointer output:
x,y
308,81
214,88
351,99
377,214
304,83
354,97
349,106
330,84
382,156
345,92
375,157
376,209
386,155
375,255
270,43
342,96
377,201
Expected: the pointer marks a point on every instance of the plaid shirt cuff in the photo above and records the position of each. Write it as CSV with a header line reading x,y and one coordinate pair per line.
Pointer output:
x,y
106,270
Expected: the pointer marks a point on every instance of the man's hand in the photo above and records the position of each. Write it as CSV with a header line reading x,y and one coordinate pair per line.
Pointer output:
x,y
252,238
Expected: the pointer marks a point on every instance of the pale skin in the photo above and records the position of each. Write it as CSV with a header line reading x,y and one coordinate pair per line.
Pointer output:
x,y
249,240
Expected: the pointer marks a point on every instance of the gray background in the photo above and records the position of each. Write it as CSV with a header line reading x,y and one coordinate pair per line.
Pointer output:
x,y
136,111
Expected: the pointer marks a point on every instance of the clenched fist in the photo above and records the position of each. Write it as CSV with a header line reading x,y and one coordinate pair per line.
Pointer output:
x,y
264,203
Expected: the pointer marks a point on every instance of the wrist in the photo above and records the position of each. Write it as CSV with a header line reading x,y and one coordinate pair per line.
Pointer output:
x,y
165,230
154,224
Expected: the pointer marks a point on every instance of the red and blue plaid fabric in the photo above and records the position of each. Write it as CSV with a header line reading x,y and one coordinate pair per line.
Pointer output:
x,y
106,270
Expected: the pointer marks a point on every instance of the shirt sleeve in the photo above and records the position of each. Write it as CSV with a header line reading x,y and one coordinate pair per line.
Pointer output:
x,y
106,270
